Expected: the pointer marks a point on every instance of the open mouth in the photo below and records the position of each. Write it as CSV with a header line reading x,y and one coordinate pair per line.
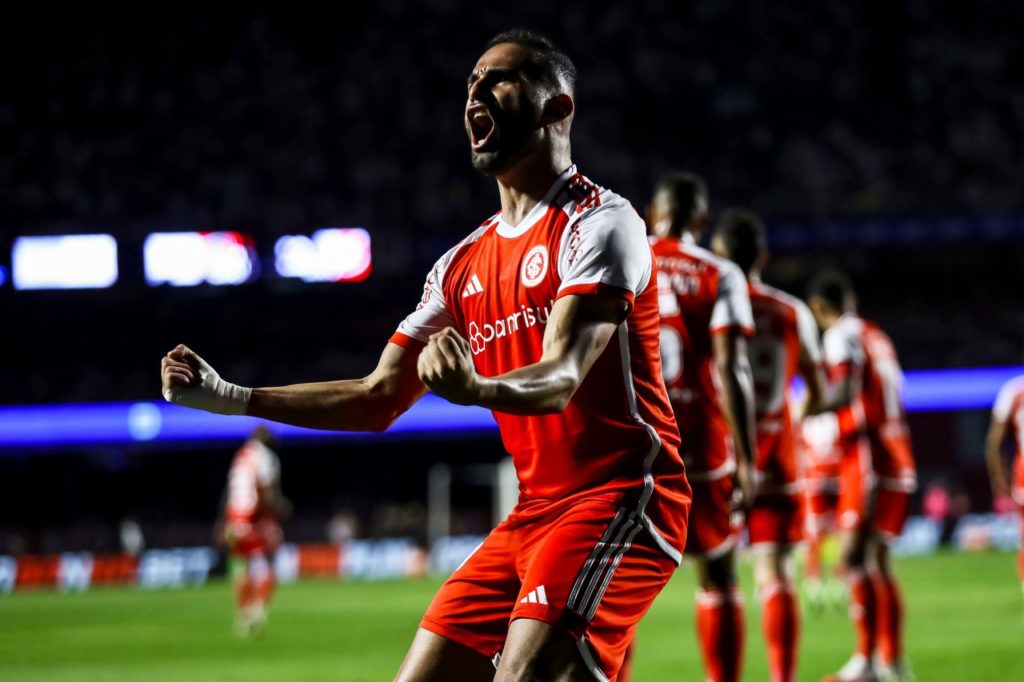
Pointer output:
x,y
482,129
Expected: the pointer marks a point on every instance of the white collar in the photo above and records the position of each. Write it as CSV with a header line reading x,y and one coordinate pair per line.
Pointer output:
x,y
688,238
531,218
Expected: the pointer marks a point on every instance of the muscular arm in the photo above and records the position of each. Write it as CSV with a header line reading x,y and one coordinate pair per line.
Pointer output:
x,y
736,392
578,331
368,404
994,458
838,396
814,378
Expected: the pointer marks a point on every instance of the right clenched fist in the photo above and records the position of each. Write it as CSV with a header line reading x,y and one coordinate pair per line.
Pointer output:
x,y
186,379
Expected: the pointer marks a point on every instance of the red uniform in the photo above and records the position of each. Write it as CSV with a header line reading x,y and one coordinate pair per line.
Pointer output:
x,y
873,433
1009,410
820,456
601,516
252,529
786,335
701,295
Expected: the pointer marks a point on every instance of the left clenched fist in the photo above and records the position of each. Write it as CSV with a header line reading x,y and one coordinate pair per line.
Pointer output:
x,y
446,367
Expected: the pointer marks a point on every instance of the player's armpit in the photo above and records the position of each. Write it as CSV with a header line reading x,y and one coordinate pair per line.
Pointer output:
x,y
578,331
368,404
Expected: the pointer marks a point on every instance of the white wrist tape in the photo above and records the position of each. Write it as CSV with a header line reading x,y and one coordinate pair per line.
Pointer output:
x,y
212,393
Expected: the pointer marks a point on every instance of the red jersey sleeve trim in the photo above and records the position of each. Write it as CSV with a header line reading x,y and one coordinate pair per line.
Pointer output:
x,y
400,339
597,288
743,329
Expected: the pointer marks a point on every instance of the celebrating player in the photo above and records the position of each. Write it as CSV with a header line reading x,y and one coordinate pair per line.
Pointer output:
x,y
877,472
705,321
1007,420
547,314
785,343
253,505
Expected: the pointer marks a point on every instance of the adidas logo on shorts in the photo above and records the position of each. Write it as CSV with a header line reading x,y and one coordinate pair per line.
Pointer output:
x,y
537,596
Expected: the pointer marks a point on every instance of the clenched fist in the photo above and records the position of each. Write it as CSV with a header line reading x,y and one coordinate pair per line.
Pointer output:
x,y
189,380
445,366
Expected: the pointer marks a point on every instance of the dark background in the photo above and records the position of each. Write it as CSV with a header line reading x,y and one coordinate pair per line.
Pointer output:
x,y
886,138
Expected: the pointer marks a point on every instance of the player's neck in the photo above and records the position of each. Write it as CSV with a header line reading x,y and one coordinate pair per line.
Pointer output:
x,y
524,185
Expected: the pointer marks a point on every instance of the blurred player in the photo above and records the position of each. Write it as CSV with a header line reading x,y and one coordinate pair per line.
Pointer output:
x,y
819,452
705,322
877,473
548,315
1008,420
785,343
253,505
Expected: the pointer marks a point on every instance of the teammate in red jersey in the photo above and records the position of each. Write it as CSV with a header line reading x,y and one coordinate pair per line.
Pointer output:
x,y
1008,421
877,472
253,503
820,454
705,322
785,344
548,315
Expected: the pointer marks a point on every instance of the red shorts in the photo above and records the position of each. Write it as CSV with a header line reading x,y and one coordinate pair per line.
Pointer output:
x,y
259,537
592,571
775,521
821,498
865,499
713,528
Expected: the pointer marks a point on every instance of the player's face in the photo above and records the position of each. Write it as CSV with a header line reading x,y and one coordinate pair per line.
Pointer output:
x,y
503,109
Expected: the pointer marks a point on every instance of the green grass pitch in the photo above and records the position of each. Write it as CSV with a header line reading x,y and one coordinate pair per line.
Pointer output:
x,y
966,623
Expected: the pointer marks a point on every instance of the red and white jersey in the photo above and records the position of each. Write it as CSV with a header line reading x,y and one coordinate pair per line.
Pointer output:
x,y
497,288
818,443
1009,409
859,349
699,295
254,468
785,333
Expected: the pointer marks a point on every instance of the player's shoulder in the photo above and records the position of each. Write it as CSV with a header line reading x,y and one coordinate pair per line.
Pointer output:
x,y
780,297
462,247
585,201
1014,386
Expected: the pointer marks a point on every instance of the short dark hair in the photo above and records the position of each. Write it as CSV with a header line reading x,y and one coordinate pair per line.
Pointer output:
x,y
685,188
551,66
832,286
743,236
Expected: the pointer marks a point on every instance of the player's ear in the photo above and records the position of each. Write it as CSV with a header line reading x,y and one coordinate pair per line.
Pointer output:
x,y
557,108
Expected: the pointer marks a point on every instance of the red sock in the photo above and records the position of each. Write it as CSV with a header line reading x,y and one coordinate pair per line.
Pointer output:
x,y
1020,563
889,618
812,569
862,610
720,629
244,591
265,588
780,621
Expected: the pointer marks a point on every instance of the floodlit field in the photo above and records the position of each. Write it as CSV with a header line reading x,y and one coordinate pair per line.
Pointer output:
x,y
966,624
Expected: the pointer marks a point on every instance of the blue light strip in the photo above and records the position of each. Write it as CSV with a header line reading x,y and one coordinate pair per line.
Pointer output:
x,y
159,422
42,426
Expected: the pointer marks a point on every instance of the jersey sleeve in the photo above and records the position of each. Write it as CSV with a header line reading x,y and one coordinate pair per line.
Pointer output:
x,y
732,302
606,250
807,333
268,467
1004,400
432,314
843,348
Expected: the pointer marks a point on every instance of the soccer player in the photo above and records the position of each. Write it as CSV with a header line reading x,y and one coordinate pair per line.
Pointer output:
x,y
820,454
547,314
785,344
877,473
253,505
705,321
1008,420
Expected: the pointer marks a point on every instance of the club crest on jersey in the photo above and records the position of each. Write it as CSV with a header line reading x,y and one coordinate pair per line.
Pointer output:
x,y
535,266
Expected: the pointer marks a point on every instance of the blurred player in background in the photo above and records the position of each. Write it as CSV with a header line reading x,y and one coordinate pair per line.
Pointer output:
x,y
705,322
785,344
1008,420
548,315
253,504
819,452
877,473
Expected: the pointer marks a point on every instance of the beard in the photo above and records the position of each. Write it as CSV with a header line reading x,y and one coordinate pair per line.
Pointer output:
x,y
515,136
